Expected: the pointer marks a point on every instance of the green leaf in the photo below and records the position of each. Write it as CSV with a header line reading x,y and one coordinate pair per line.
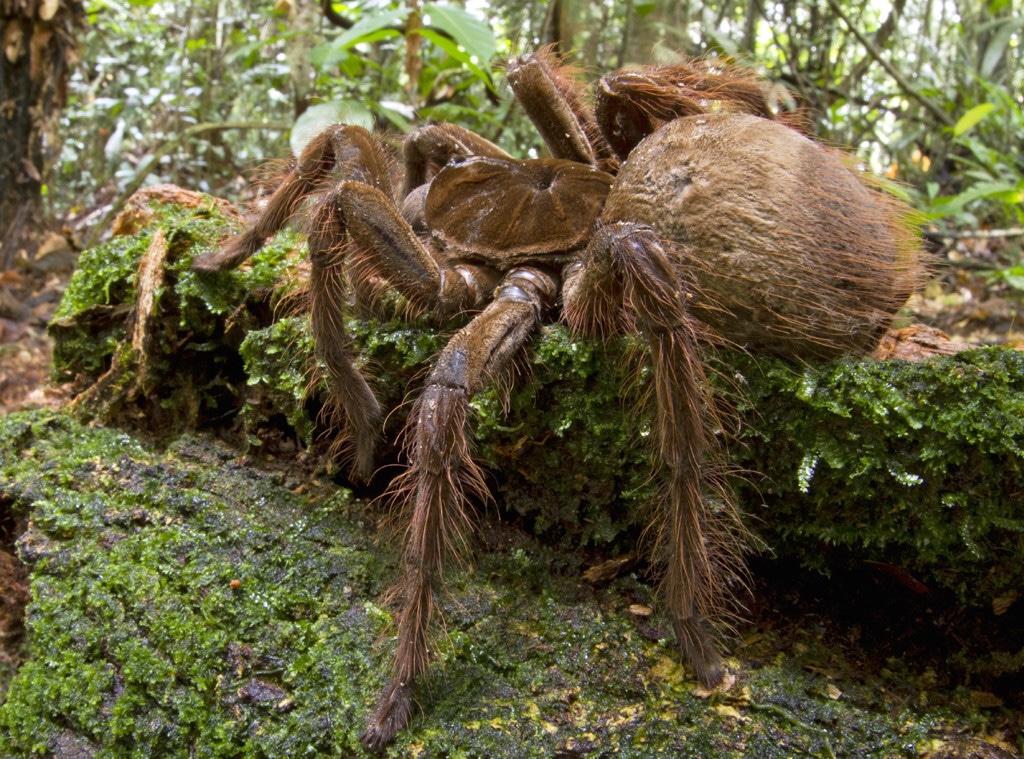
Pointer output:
x,y
996,48
1014,277
972,117
1005,192
456,52
316,118
370,28
472,34
369,24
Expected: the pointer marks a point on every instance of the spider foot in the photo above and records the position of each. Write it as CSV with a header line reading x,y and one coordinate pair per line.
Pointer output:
x,y
363,461
696,643
391,714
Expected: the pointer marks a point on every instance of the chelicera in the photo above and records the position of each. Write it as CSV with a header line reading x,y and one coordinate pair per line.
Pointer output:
x,y
680,208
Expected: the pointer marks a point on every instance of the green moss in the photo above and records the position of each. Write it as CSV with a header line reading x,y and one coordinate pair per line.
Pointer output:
x,y
913,463
184,605
105,275
192,370
217,295
277,361
87,325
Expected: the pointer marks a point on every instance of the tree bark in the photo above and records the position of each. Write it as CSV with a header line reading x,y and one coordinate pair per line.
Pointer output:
x,y
39,50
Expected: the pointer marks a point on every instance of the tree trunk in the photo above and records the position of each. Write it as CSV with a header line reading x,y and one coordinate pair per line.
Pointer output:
x,y
39,49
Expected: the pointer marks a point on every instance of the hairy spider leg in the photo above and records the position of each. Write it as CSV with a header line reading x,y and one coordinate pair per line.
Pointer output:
x,y
700,539
379,246
350,150
632,104
435,145
553,98
443,479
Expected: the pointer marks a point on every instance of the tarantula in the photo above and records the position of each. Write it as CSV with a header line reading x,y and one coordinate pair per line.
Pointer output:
x,y
679,207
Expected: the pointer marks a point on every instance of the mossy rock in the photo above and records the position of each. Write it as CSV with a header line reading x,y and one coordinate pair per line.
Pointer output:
x,y
915,468
183,605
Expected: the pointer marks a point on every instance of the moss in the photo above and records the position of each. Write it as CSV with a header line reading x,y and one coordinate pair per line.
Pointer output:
x,y
911,463
105,275
278,361
185,605
191,371
87,325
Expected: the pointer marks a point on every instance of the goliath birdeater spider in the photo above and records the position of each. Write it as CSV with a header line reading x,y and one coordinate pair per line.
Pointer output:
x,y
680,207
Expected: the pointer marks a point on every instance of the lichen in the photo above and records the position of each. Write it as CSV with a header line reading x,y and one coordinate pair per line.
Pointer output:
x,y
185,605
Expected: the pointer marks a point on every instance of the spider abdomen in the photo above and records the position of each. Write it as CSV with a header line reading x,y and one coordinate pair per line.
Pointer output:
x,y
787,248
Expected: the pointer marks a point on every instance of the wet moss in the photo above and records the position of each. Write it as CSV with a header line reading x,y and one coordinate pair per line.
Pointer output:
x,y
279,362
185,605
89,322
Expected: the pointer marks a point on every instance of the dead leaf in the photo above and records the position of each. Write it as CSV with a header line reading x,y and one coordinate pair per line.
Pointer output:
x,y
30,170
12,42
48,9
916,343
52,244
639,610
1002,604
608,570
10,331
985,700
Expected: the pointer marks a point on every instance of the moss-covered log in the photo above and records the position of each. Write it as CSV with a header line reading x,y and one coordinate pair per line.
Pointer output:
x,y
914,467
186,606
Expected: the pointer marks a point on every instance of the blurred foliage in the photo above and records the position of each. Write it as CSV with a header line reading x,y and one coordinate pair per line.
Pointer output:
x,y
926,91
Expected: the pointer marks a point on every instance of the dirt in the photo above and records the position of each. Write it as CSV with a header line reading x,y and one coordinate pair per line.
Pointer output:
x,y
969,298
14,581
29,293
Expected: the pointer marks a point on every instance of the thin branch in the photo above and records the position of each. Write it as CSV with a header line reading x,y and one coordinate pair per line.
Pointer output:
x,y
901,80
881,38
974,234
168,145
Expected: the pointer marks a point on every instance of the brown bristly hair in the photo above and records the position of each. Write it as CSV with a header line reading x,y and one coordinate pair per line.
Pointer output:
x,y
439,488
699,86
568,81
684,430
699,547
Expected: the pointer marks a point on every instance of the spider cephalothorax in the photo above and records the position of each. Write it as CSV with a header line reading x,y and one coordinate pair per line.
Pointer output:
x,y
685,210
